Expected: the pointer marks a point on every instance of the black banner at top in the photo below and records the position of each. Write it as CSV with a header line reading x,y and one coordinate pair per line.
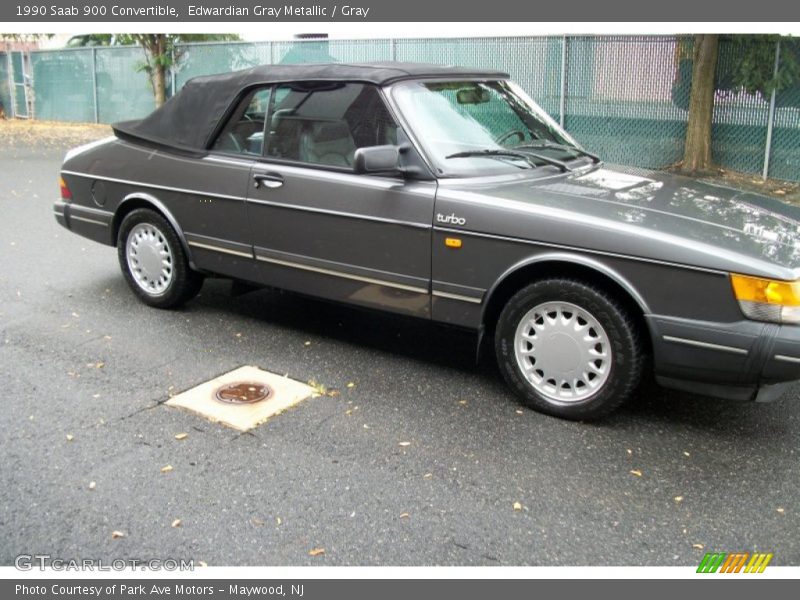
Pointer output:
x,y
729,11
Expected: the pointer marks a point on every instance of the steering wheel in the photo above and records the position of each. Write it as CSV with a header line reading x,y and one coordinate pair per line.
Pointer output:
x,y
233,140
502,139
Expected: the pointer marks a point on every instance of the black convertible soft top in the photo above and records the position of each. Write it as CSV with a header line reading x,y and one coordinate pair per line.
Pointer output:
x,y
187,121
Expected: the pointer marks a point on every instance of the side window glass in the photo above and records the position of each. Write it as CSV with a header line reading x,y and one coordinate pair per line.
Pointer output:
x,y
244,133
324,123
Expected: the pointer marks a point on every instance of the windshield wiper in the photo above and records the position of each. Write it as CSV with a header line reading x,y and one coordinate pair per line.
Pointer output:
x,y
526,156
548,144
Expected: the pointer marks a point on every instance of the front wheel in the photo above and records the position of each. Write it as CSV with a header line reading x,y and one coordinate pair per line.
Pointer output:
x,y
153,261
569,349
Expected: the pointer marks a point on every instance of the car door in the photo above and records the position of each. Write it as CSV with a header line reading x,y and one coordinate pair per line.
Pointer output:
x,y
216,221
318,227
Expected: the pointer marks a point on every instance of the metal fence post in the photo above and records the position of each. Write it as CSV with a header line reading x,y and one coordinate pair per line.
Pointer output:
x,y
393,46
12,95
172,71
94,85
771,118
562,103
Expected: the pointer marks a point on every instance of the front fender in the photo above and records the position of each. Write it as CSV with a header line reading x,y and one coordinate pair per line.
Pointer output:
x,y
571,258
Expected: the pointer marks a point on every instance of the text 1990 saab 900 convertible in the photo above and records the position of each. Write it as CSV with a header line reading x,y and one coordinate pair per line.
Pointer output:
x,y
448,194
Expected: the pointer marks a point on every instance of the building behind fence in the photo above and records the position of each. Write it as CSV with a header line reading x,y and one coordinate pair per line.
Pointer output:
x,y
623,97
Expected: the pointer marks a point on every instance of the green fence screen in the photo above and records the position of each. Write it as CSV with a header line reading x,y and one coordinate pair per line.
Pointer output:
x,y
123,89
5,89
623,97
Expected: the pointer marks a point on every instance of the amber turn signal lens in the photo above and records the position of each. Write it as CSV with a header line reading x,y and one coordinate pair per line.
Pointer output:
x,y
65,193
452,242
766,291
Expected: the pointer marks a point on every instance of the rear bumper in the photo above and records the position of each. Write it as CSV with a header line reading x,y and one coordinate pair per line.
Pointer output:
x,y
745,360
92,223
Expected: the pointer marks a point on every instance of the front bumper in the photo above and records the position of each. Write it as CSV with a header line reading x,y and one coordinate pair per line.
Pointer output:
x,y
745,360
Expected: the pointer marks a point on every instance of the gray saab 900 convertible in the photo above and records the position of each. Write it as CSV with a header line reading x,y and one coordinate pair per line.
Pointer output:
x,y
448,194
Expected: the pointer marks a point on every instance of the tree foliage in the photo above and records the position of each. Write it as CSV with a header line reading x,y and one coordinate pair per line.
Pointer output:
x,y
24,37
754,71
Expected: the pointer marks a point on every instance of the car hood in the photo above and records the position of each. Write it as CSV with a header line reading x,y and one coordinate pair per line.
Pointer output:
x,y
686,211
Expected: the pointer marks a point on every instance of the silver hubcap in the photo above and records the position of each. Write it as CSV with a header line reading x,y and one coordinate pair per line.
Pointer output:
x,y
563,351
149,258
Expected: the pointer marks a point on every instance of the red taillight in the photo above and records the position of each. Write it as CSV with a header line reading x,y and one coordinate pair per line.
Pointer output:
x,y
65,193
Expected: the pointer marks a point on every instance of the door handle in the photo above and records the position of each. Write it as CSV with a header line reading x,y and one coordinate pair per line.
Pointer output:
x,y
268,180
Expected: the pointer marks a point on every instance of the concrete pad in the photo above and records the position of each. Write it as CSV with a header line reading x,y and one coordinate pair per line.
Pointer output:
x,y
201,399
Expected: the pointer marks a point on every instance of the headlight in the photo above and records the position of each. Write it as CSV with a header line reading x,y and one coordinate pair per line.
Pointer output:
x,y
767,299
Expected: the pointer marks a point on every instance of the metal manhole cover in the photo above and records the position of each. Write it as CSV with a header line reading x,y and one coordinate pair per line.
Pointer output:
x,y
243,393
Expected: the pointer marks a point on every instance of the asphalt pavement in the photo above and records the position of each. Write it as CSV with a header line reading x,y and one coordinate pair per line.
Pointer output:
x,y
479,480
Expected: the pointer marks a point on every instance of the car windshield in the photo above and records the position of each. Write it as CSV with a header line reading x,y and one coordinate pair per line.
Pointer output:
x,y
473,128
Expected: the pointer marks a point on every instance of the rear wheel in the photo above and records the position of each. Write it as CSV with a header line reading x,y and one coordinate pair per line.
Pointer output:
x,y
153,260
569,349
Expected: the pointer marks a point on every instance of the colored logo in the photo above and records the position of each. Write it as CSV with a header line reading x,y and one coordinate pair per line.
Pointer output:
x,y
734,562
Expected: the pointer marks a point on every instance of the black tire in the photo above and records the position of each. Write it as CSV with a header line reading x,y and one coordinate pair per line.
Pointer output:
x,y
184,283
622,335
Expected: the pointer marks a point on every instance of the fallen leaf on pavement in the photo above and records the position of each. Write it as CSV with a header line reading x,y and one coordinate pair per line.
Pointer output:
x,y
166,469
181,436
698,546
404,515
404,444
427,475
115,535
70,437
176,523
316,551
319,389
780,510
636,472
517,506
678,499
92,485
351,385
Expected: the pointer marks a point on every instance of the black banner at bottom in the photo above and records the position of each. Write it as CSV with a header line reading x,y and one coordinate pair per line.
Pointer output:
x,y
383,589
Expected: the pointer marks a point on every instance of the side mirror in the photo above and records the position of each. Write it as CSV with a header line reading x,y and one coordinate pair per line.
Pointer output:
x,y
377,159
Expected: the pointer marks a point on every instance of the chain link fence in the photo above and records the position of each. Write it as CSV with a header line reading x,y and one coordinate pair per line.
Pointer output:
x,y
5,85
623,97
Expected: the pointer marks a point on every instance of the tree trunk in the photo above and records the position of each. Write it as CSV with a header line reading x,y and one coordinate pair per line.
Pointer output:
x,y
697,151
160,84
160,71
155,47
